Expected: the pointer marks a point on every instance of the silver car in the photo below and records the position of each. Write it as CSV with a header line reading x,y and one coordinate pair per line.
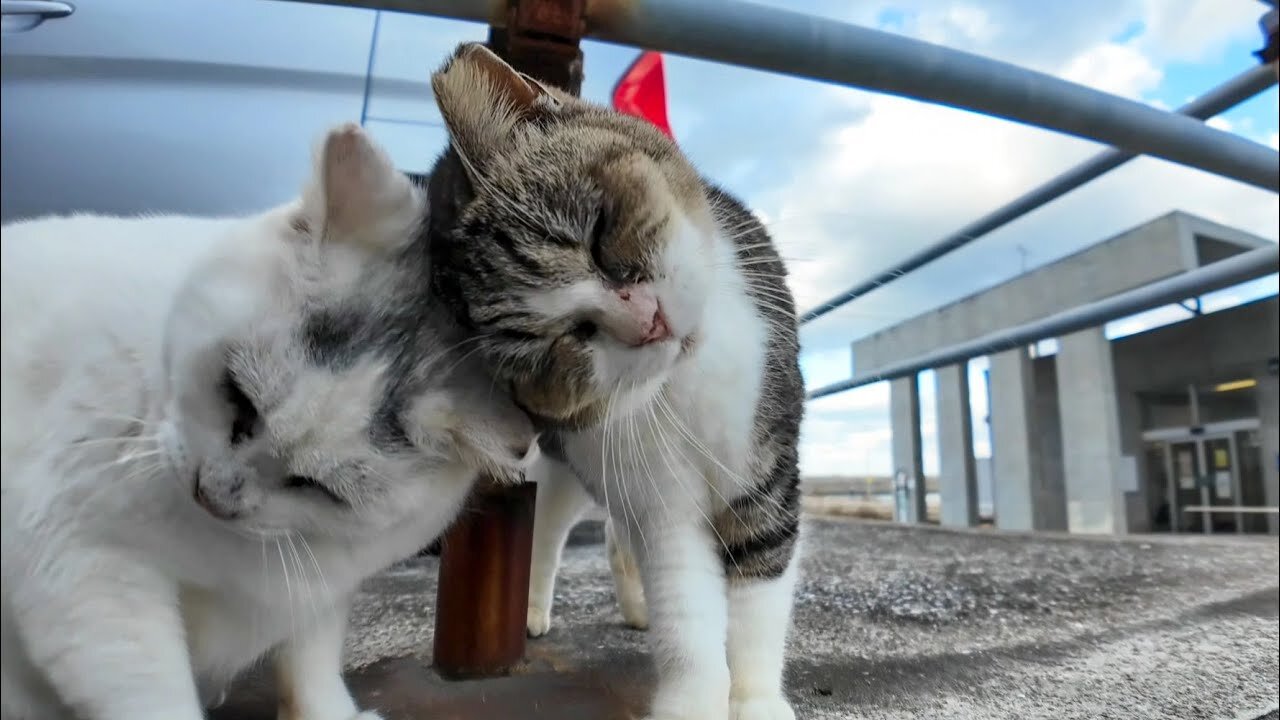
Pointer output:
x,y
191,106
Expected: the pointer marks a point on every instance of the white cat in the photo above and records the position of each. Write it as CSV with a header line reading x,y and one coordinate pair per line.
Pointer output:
x,y
213,430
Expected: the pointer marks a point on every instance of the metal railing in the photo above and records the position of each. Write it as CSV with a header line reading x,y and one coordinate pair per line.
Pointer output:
x,y
788,42
768,38
1215,276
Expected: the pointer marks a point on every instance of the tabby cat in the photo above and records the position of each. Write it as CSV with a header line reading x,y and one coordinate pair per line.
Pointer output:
x,y
640,316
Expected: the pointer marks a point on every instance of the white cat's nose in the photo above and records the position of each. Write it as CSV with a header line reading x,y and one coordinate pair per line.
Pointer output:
x,y
211,503
220,493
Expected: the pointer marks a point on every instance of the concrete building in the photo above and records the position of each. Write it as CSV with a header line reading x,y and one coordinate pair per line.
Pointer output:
x,y
1149,432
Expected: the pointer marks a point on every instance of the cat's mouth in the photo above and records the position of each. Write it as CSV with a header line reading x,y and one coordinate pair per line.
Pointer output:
x,y
687,344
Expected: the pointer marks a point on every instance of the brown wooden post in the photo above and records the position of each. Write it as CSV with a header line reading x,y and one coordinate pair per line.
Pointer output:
x,y
483,594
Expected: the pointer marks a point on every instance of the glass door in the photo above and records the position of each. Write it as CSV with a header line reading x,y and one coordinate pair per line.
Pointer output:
x,y
1186,488
1209,478
1222,484
1248,459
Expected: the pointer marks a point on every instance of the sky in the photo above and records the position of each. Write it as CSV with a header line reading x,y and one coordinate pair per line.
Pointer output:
x,y
849,181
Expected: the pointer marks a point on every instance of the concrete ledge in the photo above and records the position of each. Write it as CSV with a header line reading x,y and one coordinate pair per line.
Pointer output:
x,y
1165,246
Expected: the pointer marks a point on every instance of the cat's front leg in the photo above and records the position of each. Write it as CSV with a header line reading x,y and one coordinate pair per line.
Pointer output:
x,y
626,576
761,531
684,585
561,501
309,672
106,633
759,617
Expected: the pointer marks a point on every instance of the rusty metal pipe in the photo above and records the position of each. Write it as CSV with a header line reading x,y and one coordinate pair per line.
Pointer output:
x,y
483,593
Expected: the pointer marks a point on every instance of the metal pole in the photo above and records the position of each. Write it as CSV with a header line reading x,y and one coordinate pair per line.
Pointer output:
x,y
1224,273
783,41
1227,95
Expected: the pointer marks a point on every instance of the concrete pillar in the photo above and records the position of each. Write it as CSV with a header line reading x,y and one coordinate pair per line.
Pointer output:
x,y
1269,419
908,458
1091,444
1048,495
957,474
1015,461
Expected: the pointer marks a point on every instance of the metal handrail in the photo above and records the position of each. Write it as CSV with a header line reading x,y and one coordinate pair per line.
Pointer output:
x,y
784,41
1261,509
1221,274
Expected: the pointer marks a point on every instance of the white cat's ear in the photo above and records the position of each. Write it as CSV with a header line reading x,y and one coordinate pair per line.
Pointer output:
x,y
356,195
483,100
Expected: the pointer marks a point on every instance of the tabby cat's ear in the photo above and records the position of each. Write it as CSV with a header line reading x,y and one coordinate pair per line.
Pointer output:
x,y
356,195
483,100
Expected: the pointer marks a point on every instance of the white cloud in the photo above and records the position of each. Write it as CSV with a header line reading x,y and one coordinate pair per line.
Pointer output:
x,y
961,23
1119,69
1191,30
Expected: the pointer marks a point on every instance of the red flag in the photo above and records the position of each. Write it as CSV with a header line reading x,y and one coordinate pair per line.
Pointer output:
x,y
642,91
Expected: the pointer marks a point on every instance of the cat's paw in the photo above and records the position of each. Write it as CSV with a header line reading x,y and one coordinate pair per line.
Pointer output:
x,y
690,700
635,615
773,707
635,612
538,621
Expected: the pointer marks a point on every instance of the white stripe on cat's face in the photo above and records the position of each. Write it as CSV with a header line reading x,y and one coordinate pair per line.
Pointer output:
x,y
641,331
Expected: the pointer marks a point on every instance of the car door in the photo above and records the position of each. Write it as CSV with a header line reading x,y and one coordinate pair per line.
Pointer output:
x,y
190,106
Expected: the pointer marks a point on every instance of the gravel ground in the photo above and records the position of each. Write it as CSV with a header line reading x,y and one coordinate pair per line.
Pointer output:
x,y
909,622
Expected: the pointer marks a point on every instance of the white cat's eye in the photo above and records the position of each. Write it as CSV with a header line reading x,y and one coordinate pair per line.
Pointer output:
x,y
244,418
302,482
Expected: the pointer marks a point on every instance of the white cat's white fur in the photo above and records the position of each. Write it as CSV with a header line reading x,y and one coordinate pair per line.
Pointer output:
x,y
123,598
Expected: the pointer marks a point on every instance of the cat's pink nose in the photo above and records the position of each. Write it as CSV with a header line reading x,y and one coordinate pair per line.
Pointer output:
x,y
645,321
659,330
